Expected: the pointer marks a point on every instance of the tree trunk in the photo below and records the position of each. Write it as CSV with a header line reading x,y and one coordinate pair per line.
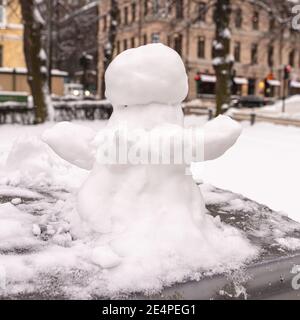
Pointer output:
x,y
223,62
109,46
35,60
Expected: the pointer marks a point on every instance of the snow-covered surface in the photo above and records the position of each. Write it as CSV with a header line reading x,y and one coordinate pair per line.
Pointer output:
x,y
44,254
263,165
45,227
292,109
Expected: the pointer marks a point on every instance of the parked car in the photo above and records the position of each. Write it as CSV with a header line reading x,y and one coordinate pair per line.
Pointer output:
x,y
250,101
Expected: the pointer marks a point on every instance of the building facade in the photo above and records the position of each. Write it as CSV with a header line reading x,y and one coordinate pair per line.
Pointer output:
x,y
13,72
260,50
11,35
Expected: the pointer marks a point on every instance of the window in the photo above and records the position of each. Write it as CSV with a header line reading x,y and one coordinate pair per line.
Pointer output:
x,y
237,51
202,11
145,8
132,42
251,86
133,12
238,21
104,23
179,9
124,44
118,47
213,50
292,58
1,56
271,56
2,11
201,48
145,40
255,20
155,37
254,51
155,7
125,15
178,44
271,23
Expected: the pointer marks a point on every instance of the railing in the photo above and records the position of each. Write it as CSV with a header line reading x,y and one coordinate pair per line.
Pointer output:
x,y
22,113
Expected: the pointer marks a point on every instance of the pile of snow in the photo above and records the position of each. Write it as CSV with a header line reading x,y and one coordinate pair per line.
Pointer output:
x,y
87,258
292,106
147,233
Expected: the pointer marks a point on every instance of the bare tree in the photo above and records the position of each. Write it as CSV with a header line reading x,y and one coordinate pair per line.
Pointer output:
x,y
35,57
222,62
109,46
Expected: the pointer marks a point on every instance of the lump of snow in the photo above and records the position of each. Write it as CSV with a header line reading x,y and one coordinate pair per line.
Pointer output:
x,y
36,230
289,243
149,74
16,201
105,257
30,158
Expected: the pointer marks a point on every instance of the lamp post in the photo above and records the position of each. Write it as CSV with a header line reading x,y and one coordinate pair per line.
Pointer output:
x,y
286,76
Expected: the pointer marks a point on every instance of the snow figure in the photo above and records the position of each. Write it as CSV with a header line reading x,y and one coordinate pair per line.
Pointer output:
x,y
149,218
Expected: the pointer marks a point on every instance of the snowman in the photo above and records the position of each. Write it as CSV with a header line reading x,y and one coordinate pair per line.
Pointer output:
x,y
145,206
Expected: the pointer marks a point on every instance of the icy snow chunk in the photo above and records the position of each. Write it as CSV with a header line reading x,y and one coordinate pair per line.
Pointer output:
x,y
36,230
12,222
289,243
149,74
29,157
16,201
105,257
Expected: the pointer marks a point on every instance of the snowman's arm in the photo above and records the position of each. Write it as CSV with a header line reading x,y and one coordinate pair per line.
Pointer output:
x,y
72,142
220,134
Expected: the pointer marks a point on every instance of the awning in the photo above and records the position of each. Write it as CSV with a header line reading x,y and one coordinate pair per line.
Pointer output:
x,y
241,81
208,78
274,83
213,79
295,84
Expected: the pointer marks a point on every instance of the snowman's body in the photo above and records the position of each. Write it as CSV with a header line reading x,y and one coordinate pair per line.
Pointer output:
x,y
126,203
121,193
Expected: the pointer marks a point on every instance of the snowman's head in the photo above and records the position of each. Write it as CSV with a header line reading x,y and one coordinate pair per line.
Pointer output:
x,y
148,74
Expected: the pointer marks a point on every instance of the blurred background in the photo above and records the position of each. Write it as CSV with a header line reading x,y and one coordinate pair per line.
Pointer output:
x,y
238,54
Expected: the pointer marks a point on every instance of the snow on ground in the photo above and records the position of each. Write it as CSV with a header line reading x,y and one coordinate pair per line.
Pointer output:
x,y
292,110
292,107
263,165
38,204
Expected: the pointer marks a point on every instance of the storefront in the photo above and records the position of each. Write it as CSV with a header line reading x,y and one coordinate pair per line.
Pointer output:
x,y
294,87
272,88
206,85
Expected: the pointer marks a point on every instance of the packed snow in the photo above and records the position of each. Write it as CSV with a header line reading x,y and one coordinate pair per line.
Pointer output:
x,y
137,227
49,244
148,74
140,230
152,253
110,229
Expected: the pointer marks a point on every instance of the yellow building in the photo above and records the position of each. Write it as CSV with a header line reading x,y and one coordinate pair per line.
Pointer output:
x,y
13,73
11,35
